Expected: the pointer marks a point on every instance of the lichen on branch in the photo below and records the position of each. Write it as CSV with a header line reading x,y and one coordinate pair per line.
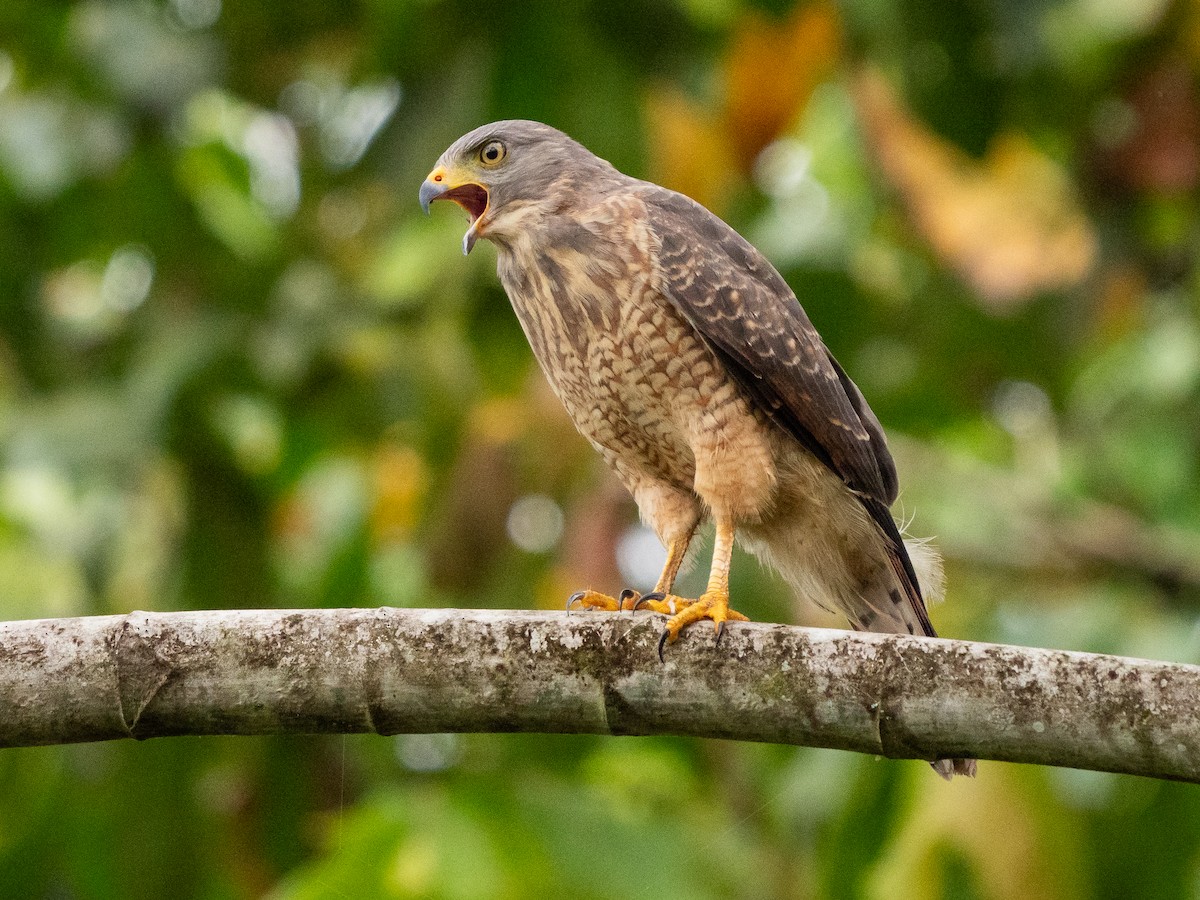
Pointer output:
x,y
394,671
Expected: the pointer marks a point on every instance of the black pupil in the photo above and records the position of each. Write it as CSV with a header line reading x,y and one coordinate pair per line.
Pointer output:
x,y
491,153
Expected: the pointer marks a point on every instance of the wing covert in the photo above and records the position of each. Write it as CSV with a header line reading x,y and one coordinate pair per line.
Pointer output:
x,y
743,308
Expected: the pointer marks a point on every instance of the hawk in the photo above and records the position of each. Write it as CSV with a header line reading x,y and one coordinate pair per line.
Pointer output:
x,y
687,362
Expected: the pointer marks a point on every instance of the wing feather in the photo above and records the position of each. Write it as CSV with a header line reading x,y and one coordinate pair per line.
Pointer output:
x,y
744,310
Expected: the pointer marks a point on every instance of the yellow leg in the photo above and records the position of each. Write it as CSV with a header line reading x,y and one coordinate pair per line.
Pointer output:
x,y
713,603
676,551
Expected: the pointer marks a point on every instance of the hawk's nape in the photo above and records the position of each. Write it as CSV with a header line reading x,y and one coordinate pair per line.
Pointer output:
x,y
685,359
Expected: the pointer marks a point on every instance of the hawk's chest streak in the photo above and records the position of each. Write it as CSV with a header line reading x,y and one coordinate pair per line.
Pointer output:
x,y
617,354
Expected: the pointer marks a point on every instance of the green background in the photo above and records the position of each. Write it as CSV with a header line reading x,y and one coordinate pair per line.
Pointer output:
x,y
238,368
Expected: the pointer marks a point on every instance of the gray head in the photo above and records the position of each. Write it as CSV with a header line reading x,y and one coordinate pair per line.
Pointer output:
x,y
497,169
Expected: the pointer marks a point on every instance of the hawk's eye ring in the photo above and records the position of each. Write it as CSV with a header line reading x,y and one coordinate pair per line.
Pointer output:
x,y
492,153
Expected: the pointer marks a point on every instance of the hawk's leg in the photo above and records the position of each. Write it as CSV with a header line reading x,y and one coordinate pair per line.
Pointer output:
x,y
713,603
631,599
676,551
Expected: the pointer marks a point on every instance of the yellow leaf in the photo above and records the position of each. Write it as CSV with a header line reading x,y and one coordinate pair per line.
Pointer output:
x,y
771,69
1008,224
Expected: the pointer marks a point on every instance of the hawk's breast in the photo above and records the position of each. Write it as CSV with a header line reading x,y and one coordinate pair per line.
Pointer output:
x,y
634,376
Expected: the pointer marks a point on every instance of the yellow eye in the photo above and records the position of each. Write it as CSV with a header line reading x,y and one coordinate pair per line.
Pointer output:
x,y
492,153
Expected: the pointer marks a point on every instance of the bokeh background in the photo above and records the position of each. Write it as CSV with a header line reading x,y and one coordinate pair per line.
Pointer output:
x,y
238,368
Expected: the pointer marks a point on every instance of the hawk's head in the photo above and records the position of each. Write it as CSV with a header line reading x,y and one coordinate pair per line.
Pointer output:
x,y
499,170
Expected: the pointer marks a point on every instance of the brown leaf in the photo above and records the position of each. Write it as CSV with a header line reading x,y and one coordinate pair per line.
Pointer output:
x,y
1150,140
689,150
1008,224
771,69
767,75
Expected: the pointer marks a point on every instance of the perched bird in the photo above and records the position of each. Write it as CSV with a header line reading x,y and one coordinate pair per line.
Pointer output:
x,y
685,359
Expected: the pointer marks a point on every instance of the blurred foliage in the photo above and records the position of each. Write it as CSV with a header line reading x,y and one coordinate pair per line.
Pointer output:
x,y
238,368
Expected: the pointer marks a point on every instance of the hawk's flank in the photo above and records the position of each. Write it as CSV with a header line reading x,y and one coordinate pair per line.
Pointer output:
x,y
687,362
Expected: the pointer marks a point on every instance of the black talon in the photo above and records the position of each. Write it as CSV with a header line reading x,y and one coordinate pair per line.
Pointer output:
x,y
720,632
662,642
626,594
574,598
653,595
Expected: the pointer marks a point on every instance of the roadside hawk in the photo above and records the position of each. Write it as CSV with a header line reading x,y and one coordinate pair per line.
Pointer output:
x,y
686,360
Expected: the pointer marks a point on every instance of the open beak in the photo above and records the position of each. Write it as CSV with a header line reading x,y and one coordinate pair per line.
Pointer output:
x,y
471,196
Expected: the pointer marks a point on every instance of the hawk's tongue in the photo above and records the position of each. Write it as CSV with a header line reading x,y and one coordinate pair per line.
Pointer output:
x,y
474,199
469,238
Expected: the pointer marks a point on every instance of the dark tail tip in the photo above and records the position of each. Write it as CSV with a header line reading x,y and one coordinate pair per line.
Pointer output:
x,y
948,768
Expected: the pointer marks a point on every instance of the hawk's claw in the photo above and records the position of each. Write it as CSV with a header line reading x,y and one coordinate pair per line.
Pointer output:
x,y
712,605
593,600
682,612
647,598
626,600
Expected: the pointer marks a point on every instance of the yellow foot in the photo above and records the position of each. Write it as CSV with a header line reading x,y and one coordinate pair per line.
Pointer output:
x,y
595,600
667,604
712,605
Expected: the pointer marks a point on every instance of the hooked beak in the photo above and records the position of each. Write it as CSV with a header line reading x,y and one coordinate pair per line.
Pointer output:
x,y
471,196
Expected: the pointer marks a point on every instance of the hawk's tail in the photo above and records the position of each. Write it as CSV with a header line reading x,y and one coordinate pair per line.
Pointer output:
x,y
927,564
885,602
890,602
948,768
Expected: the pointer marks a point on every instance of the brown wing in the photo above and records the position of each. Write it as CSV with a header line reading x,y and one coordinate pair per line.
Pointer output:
x,y
739,303
744,309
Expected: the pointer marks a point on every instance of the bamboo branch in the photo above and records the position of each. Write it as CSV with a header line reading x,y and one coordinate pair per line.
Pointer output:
x,y
393,671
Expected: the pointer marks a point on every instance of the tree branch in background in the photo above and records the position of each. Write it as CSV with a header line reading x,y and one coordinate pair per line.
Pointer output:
x,y
1031,524
411,671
